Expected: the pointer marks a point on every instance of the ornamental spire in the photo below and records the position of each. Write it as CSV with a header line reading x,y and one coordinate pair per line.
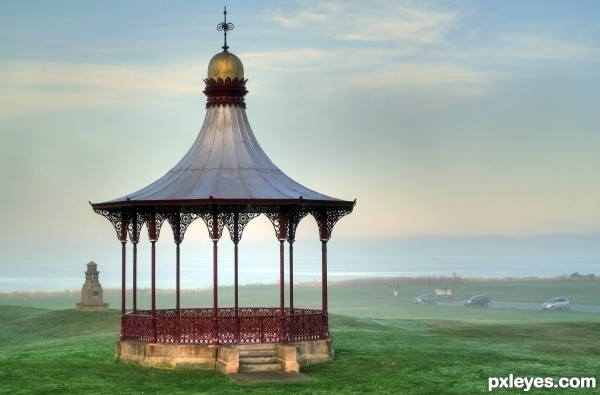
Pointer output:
x,y
225,27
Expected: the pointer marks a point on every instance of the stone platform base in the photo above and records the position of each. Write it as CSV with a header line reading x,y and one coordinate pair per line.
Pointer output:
x,y
225,358
91,307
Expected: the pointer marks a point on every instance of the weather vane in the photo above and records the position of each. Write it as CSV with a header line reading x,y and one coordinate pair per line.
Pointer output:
x,y
225,27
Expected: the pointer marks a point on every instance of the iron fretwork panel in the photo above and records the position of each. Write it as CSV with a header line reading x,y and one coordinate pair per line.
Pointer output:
x,y
215,222
238,221
228,329
295,218
304,324
280,221
285,222
180,222
134,226
249,325
137,326
259,325
154,222
119,219
327,218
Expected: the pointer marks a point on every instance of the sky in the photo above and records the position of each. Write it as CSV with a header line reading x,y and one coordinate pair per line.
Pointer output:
x,y
448,118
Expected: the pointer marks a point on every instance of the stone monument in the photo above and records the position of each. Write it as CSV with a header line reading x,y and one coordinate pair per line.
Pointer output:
x,y
91,293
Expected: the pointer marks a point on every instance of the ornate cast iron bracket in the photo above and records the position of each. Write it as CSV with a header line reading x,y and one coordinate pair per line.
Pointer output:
x,y
119,219
326,220
215,222
295,218
154,222
239,222
135,226
179,223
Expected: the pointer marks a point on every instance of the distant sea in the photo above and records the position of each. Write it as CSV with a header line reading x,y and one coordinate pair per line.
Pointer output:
x,y
486,256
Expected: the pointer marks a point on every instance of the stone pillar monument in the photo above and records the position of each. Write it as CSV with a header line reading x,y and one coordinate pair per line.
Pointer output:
x,y
91,293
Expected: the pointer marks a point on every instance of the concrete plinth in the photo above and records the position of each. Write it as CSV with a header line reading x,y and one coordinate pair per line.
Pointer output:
x,y
313,352
224,358
91,306
167,355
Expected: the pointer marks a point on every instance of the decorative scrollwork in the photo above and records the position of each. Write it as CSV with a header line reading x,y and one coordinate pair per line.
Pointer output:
x,y
225,27
179,223
280,221
295,218
248,325
119,220
215,222
154,222
239,222
327,218
134,226
286,223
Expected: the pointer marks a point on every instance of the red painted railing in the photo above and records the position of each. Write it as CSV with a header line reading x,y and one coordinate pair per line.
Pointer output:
x,y
247,325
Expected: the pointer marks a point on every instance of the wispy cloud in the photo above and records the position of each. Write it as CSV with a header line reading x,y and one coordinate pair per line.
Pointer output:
x,y
45,86
548,48
447,79
362,21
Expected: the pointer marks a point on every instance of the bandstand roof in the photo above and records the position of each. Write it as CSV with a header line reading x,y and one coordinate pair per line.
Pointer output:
x,y
225,164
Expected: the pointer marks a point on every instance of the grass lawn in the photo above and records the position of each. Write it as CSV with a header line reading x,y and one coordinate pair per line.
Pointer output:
x,y
414,350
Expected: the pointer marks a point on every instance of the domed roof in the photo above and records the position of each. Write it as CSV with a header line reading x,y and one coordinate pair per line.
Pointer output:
x,y
225,64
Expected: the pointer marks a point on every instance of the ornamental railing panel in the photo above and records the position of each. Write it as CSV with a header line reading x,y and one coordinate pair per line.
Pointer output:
x,y
246,325
136,327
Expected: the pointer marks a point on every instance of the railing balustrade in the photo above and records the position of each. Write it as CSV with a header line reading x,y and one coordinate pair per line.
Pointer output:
x,y
247,325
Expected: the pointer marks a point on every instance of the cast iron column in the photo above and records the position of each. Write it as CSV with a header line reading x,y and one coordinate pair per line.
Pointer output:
x,y
153,238
134,275
123,284
291,243
236,240
215,334
324,288
153,313
215,239
177,275
281,291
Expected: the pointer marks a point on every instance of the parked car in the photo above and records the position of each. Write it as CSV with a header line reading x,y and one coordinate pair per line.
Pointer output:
x,y
479,300
558,303
425,299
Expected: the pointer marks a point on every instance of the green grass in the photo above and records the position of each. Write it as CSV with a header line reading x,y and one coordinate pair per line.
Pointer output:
x,y
383,344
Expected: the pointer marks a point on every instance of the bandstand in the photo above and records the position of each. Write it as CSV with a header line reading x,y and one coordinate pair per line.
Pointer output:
x,y
225,180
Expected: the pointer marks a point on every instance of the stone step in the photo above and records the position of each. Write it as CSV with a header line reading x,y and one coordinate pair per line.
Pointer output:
x,y
262,367
258,360
256,353
255,346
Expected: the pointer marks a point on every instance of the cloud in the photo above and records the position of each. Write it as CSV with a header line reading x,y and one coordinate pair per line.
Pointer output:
x,y
28,87
547,48
453,79
361,21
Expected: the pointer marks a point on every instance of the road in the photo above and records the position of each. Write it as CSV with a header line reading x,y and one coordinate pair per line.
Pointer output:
x,y
526,306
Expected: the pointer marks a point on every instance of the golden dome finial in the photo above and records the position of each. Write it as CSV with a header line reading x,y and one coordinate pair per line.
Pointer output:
x,y
225,64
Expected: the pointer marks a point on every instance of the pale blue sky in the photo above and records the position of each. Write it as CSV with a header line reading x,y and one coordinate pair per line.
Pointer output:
x,y
443,118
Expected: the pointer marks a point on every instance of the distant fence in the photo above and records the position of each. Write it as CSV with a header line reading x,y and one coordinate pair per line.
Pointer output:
x,y
443,293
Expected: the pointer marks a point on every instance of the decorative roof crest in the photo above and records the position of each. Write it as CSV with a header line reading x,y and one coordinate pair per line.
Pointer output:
x,y
225,27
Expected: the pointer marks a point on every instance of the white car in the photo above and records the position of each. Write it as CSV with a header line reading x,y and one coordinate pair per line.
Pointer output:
x,y
558,303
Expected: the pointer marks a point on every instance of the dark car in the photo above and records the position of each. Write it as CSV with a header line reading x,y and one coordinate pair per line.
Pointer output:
x,y
479,300
425,299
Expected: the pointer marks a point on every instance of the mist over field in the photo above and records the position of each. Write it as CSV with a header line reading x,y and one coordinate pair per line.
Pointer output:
x,y
59,268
